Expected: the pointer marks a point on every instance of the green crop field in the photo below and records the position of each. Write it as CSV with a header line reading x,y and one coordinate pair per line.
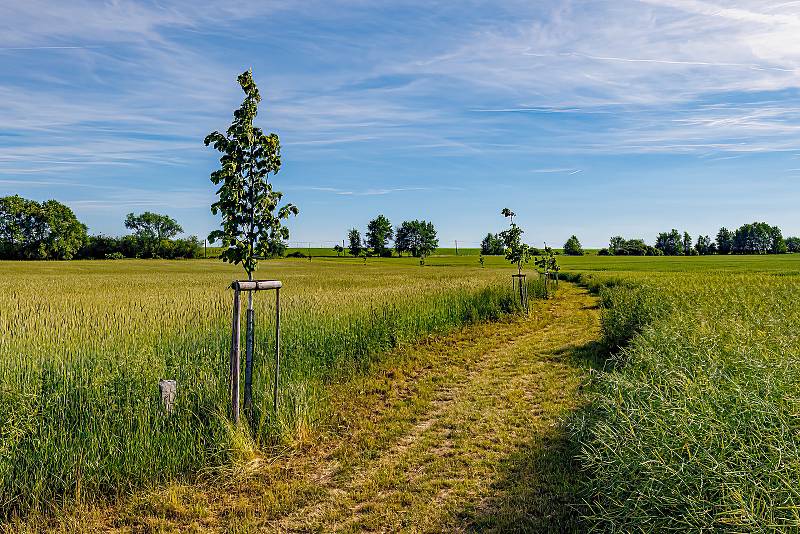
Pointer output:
x,y
694,425
84,344
691,418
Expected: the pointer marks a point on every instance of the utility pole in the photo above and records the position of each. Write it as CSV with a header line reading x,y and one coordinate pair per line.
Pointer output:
x,y
456,247
205,248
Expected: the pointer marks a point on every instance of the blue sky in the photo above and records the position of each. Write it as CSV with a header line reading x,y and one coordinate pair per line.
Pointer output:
x,y
596,117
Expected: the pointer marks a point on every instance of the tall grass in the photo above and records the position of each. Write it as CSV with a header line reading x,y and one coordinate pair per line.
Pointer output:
x,y
698,430
83,345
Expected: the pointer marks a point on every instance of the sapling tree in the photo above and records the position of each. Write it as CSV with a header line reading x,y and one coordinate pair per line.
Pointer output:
x,y
517,252
252,220
547,264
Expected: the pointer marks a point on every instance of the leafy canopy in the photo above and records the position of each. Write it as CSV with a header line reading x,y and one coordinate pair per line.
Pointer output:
x,y
38,231
548,263
354,242
492,245
416,237
573,247
379,233
251,218
517,252
152,226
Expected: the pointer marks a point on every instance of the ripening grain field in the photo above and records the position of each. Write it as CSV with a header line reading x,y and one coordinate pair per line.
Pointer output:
x,y
695,424
84,344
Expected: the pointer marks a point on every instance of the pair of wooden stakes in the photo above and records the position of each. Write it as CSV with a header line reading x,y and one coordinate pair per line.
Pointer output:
x,y
238,287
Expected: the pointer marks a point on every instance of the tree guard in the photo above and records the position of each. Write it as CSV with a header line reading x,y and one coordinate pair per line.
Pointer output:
x,y
520,288
250,286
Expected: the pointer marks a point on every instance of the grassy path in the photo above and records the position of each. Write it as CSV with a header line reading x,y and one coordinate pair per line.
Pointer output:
x,y
486,451
457,433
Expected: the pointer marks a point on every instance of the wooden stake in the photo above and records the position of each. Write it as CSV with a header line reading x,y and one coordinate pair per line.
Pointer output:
x,y
277,349
235,349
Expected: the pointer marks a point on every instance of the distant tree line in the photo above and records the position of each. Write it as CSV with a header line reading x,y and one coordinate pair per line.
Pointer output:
x,y
49,230
493,245
753,238
417,238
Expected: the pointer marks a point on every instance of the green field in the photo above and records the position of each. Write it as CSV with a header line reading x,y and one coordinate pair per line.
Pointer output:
x,y
694,426
692,420
83,345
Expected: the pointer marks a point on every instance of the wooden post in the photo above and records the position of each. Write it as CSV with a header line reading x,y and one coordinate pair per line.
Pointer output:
x,y
250,286
277,349
235,348
248,357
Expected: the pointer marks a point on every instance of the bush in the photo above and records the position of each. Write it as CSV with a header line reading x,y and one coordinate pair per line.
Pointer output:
x,y
131,246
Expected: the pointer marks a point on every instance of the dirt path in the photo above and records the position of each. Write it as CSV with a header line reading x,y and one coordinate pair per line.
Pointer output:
x,y
460,465
460,433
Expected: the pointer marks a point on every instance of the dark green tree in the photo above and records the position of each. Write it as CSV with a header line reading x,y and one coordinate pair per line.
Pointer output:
x,y
793,244
39,231
416,237
379,233
758,238
492,245
634,247
778,243
151,229
670,243
19,219
703,245
354,238
687,244
724,241
573,247
153,226
615,244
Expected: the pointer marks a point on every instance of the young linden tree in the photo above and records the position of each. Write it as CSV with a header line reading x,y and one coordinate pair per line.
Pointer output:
x,y
516,251
251,218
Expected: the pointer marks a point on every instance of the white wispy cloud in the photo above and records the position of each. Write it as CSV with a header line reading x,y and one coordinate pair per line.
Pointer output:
x,y
359,192
566,170
132,88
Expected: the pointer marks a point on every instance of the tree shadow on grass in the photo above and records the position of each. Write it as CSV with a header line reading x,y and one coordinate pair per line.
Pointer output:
x,y
539,485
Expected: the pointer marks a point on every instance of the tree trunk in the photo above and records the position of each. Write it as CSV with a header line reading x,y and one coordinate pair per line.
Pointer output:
x,y
249,342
